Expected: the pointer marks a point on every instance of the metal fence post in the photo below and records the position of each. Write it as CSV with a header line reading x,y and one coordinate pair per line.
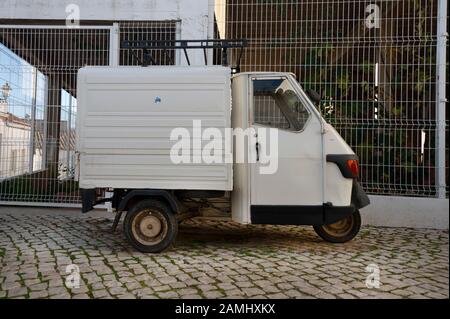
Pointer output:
x,y
210,29
178,37
114,45
33,122
440,96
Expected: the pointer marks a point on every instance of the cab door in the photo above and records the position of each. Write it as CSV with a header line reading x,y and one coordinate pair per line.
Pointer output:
x,y
293,193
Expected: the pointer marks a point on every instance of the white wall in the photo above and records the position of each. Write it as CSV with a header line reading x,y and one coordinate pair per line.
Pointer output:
x,y
14,148
192,14
220,11
414,212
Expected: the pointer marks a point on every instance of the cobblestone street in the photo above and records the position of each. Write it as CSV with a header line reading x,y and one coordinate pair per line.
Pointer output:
x,y
216,259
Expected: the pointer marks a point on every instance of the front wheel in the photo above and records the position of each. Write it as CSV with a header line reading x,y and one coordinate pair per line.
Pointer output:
x,y
341,231
150,226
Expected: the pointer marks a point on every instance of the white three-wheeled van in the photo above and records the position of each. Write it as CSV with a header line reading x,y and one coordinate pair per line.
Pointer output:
x,y
167,140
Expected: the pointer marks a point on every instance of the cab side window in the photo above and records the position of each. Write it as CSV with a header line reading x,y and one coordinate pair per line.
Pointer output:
x,y
275,104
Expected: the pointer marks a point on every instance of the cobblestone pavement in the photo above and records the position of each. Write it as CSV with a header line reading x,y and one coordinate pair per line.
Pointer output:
x,y
217,259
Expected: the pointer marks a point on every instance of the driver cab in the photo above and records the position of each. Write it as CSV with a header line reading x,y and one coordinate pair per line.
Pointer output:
x,y
308,187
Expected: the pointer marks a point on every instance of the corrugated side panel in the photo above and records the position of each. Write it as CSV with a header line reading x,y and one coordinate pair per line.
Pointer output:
x,y
126,116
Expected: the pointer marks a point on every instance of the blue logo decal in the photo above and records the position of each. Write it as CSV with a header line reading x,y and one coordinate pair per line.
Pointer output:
x,y
157,100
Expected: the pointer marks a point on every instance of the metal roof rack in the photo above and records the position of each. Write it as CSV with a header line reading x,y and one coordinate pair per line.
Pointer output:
x,y
147,45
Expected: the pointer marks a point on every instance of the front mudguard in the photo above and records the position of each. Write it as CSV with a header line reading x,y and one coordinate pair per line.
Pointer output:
x,y
359,197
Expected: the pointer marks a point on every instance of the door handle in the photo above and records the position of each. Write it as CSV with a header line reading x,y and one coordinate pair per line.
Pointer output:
x,y
257,151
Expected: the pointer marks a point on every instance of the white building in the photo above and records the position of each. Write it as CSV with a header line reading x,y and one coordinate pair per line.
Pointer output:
x,y
15,145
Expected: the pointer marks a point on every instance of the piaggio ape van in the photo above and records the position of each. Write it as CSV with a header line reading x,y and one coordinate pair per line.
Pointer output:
x,y
129,124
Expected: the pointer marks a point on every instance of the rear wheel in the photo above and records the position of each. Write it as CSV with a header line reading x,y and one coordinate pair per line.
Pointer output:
x,y
150,226
341,231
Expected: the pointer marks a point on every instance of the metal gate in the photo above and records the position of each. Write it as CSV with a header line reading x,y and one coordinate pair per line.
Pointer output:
x,y
38,105
379,66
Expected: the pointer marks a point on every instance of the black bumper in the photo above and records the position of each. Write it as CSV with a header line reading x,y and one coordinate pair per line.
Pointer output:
x,y
308,215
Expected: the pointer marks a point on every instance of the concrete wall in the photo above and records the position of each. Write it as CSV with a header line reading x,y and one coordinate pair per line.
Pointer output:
x,y
192,14
414,212
220,10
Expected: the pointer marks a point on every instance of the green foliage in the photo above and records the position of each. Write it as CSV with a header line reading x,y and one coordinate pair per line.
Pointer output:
x,y
31,187
343,83
21,185
378,129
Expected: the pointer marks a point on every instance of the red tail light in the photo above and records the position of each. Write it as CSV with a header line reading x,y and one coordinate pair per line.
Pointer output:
x,y
353,166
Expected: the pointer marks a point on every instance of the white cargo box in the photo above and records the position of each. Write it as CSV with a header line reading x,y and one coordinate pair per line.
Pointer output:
x,y
126,116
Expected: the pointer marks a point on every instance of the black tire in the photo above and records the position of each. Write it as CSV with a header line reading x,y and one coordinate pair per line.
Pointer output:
x,y
342,231
147,218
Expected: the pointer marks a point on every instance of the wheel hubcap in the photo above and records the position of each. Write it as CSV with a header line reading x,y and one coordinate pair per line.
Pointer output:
x,y
340,228
150,226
